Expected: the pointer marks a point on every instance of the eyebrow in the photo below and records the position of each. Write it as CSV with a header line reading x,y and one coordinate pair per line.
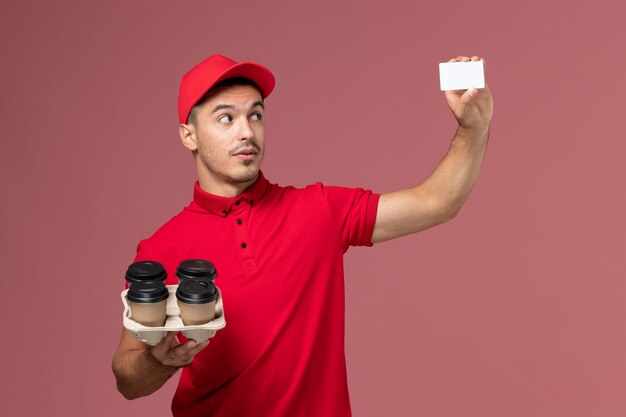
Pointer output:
x,y
230,106
222,106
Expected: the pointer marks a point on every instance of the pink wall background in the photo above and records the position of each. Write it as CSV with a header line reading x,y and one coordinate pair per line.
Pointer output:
x,y
515,308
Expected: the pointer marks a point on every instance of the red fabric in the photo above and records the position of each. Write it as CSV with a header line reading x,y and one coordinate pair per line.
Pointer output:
x,y
282,350
211,71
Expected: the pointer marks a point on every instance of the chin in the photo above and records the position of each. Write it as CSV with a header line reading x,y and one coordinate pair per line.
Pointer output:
x,y
247,174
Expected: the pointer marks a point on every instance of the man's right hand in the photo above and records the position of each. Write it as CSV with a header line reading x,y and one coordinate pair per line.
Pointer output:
x,y
170,352
141,369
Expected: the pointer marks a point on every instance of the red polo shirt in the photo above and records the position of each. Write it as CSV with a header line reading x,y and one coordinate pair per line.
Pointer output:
x,y
278,252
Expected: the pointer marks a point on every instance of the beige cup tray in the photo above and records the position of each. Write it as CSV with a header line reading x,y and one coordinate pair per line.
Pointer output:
x,y
173,323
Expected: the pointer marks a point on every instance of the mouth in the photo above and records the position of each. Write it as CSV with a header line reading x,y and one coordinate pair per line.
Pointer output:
x,y
246,154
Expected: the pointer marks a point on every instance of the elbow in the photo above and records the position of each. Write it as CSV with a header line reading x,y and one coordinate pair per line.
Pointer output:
x,y
453,213
448,213
442,207
450,207
128,394
123,388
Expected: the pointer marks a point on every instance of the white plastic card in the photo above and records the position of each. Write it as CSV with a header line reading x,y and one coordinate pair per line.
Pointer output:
x,y
461,75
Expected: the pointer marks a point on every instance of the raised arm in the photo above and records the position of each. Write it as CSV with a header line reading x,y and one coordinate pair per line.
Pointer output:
x,y
440,197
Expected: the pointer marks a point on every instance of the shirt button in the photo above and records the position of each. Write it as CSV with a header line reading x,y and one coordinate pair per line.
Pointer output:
x,y
251,202
239,221
243,245
237,202
224,212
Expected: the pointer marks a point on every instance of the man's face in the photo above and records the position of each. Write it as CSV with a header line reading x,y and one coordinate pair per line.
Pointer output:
x,y
229,137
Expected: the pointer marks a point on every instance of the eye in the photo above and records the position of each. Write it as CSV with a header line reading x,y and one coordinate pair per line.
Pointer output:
x,y
226,118
257,116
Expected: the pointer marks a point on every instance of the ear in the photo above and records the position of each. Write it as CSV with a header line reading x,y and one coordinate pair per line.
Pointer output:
x,y
187,134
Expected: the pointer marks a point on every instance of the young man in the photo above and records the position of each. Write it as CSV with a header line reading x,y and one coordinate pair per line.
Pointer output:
x,y
279,254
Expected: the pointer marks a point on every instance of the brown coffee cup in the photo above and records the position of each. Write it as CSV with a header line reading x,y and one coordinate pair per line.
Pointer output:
x,y
148,303
196,300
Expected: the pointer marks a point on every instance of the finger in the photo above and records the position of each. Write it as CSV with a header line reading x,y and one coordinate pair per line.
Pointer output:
x,y
187,346
170,340
163,350
187,351
164,344
452,96
200,346
468,95
171,336
475,58
177,356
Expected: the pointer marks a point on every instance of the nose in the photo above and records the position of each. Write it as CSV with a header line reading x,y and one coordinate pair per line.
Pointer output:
x,y
245,131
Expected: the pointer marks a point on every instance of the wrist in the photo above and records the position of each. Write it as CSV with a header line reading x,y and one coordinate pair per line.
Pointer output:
x,y
473,133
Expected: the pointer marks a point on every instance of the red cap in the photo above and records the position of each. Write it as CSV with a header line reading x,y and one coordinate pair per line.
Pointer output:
x,y
214,69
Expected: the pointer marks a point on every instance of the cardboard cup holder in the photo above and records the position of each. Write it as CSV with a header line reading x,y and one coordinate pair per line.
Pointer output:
x,y
173,322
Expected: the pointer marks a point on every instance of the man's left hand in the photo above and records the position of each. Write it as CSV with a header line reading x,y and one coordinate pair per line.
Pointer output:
x,y
472,108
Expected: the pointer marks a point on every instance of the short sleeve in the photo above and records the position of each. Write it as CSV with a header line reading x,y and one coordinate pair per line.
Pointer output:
x,y
354,209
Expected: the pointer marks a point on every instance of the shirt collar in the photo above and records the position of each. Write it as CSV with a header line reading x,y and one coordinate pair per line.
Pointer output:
x,y
222,205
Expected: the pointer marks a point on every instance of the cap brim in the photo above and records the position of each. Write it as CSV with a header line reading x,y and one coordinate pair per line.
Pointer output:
x,y
260,75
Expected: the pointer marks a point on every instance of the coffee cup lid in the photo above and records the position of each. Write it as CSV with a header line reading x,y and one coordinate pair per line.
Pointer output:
x,y
196,268
147,292
145,271
196,291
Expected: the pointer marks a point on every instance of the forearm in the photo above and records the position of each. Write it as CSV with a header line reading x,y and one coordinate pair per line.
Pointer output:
x,y
139,374
437,199
453,179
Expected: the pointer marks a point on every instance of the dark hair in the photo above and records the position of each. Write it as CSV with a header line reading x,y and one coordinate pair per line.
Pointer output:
x,y
230,82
